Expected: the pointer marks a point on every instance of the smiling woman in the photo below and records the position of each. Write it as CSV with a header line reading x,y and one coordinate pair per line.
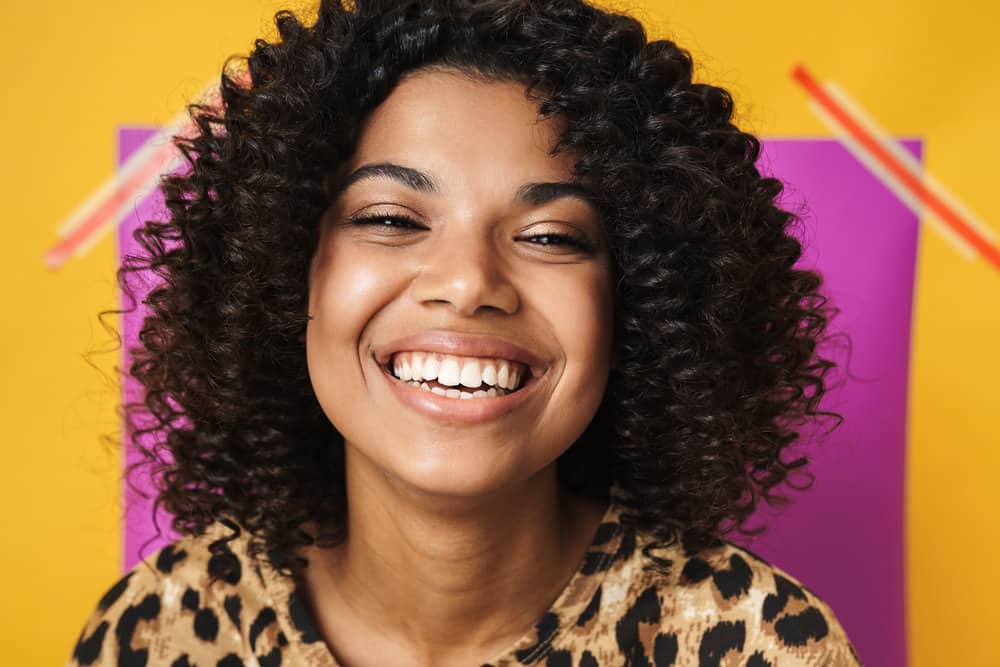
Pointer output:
x,y
484,329
470,254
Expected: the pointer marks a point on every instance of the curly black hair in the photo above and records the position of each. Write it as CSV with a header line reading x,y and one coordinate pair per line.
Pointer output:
x,y
716,332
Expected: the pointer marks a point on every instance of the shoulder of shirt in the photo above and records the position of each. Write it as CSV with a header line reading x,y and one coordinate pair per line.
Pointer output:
x,y
185,574
743,597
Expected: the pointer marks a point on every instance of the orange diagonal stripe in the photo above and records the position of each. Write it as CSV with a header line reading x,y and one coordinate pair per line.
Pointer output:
x,y
104,214
910,181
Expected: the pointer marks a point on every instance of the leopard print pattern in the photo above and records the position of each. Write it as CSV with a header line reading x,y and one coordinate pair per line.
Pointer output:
x,y
630,603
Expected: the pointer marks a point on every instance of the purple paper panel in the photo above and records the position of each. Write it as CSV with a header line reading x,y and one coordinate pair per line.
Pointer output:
x,y
140,536
844,537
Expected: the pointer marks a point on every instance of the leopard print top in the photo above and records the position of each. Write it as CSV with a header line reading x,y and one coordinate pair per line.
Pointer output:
x,y
628,604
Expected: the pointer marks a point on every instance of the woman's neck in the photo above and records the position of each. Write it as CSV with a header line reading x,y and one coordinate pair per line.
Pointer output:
x,y
428,580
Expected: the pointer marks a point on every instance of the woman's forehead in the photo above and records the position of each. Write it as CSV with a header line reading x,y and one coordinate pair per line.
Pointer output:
x,y
447,120
463,142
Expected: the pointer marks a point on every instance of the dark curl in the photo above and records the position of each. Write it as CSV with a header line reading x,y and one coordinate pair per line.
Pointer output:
x,y
716,331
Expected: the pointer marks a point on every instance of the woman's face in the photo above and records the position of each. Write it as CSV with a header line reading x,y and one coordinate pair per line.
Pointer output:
x,y
447,269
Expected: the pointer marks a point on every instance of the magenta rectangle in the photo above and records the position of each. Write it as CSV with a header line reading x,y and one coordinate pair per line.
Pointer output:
x,y
140,535
844,538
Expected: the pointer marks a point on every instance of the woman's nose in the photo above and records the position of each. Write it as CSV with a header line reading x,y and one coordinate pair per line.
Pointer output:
x,y
463,269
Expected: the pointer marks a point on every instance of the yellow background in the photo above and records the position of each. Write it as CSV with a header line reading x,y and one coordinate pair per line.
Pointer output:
x,y
76,72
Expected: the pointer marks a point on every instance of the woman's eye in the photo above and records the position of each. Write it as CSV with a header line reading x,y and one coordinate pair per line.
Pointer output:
x,y
563,240
388,222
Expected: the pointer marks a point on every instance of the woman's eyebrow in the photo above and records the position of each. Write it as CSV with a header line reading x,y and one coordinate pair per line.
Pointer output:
x,y
534,194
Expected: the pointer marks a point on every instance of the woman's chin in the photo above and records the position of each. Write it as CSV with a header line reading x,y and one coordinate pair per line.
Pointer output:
x,y
449,481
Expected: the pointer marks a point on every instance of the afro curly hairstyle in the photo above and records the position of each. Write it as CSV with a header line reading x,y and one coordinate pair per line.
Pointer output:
x,y
716,332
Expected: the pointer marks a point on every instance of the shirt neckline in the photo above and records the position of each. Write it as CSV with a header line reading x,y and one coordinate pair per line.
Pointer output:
x,y
573,599
299,626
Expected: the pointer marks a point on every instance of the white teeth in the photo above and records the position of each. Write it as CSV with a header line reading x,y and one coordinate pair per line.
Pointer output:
x,y
458,372
448,373
430,367
492,392
503,376
471,375
515,377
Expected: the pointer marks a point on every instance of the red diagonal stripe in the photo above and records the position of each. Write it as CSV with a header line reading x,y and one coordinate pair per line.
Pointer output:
x,y
910,181
104,213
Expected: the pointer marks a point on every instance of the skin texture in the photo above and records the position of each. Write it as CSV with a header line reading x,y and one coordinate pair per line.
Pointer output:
x,y
459,535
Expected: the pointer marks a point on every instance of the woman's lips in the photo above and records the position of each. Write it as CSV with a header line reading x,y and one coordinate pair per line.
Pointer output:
x,y
459,410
